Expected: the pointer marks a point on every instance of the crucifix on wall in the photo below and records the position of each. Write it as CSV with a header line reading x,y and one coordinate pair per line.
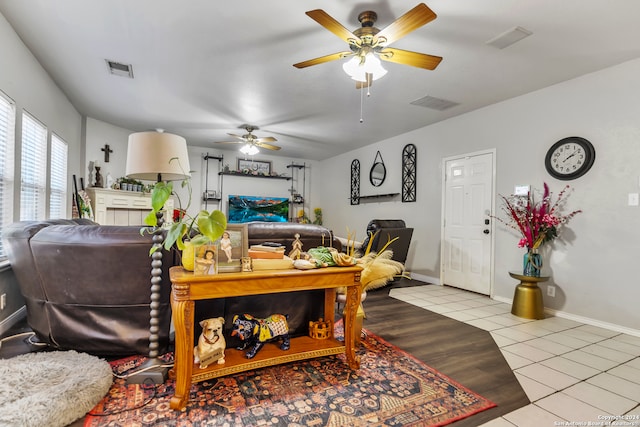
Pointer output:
x,y
106,150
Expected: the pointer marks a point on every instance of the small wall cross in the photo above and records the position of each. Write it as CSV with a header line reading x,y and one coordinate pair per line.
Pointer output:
x,y
106,150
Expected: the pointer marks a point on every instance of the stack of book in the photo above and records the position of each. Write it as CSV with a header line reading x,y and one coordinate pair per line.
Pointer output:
x,y
269,256
266,251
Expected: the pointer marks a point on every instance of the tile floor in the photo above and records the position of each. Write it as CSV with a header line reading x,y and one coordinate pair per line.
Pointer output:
x,y
573,374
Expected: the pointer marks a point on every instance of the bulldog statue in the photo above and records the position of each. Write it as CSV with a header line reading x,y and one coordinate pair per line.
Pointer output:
x,y
254,332
211,344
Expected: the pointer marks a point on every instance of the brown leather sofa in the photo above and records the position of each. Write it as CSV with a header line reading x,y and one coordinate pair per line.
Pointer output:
x,y
87,286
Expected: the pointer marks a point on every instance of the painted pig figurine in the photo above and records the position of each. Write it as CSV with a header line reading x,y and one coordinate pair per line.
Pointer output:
x,y
254,332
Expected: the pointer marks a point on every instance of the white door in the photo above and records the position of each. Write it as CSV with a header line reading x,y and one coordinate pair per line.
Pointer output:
x,y
467,223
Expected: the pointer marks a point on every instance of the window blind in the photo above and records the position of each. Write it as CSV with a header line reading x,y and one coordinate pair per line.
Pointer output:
x,y
34,169
7,126
58,186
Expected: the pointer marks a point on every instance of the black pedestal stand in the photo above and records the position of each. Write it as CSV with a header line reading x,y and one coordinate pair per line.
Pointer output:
x,y
153,371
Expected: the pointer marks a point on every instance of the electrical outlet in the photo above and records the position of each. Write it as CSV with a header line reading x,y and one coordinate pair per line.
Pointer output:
x,y
551,291
3,301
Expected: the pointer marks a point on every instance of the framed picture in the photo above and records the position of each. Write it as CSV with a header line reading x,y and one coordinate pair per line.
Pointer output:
x,y
254,166
206,259
233,246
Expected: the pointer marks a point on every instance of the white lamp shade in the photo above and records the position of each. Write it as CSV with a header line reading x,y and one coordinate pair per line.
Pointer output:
x,y
150,154
358,71
249,149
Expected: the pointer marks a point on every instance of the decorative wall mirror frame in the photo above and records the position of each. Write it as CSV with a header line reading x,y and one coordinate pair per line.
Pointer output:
x,y
355,182
378,171
409,164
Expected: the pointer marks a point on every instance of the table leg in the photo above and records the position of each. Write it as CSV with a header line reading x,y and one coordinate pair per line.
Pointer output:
x,y
329,304
351,307
527,301
183,357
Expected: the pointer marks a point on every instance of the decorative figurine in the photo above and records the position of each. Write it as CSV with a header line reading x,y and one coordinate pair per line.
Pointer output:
x,y
211,344
98,183
254,332
320,330
246,264
296,250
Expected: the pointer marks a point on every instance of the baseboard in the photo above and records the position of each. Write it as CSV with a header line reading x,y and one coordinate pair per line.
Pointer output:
x,y
582,319
424,278
12,319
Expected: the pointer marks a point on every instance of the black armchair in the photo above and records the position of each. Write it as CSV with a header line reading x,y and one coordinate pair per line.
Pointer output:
x,y
383,230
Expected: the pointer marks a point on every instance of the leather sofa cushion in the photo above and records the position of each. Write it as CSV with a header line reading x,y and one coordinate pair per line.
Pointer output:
x,y
311,235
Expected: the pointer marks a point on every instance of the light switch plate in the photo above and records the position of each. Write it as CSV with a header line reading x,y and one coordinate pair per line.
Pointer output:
x,y
634,200
521,190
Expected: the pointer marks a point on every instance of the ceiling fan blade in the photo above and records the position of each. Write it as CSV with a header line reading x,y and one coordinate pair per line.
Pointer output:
x,y
236,136
410,21
322,59
420,60
228,142
267,146
324,19
367,84
265,139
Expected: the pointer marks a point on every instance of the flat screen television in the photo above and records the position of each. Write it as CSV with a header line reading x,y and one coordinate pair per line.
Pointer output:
x,y
258,208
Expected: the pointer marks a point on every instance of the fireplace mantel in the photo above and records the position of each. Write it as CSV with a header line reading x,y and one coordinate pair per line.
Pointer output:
x,y
119,207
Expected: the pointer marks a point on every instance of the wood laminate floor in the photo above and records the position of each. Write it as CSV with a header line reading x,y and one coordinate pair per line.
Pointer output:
x,y
464,353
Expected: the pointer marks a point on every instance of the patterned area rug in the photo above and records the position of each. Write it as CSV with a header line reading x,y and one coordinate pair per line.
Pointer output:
x,y
391,388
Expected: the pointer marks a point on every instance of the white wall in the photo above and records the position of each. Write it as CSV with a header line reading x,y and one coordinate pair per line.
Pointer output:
x,y
595,268
99,133
242,185
30,87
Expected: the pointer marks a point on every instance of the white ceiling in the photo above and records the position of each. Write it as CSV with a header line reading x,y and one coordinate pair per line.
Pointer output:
x,y
204,67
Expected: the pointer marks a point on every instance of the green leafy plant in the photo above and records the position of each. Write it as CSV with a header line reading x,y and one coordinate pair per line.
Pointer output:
x,y
205,226
318,213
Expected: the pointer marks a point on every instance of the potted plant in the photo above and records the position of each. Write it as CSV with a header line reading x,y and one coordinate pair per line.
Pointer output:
x,y
185,232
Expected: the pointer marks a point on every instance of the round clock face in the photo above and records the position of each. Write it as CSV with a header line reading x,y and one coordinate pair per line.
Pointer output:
x,y
570,158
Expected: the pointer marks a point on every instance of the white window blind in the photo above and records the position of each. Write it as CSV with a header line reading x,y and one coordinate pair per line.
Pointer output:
x,y
7,126
58,186
34,170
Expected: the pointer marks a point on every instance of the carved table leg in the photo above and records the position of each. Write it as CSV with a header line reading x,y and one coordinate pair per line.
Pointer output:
x,y
183,357
351,307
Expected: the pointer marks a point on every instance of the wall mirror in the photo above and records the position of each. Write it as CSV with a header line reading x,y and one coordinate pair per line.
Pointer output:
x,y
378,171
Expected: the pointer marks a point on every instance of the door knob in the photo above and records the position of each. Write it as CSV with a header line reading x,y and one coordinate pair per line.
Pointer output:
x,y
485,231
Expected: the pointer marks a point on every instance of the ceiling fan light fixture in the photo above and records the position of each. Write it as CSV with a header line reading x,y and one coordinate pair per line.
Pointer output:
x,y
249,149
358,70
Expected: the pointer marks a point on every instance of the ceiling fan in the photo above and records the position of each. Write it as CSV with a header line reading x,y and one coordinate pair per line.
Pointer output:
x,y
249,139
368,41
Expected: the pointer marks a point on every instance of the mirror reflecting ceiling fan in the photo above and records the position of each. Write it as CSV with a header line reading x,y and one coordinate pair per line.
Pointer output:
x,y
250,140
368,43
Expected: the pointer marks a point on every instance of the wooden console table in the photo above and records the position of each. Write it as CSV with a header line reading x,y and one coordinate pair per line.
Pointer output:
x,y
186,288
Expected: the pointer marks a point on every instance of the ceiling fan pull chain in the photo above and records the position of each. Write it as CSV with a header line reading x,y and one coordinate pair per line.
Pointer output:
x,y
361,100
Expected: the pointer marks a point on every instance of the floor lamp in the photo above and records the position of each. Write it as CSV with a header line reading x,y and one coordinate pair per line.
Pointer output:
x,y
155,156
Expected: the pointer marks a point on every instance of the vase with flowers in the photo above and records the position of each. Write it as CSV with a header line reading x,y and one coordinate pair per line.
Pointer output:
x,y
537,222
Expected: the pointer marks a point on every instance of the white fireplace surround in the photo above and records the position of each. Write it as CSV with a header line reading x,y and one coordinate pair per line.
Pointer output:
x,y
119,207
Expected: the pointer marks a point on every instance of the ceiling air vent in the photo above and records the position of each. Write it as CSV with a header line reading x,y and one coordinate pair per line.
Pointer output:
x,y
120,69
509,37
434,103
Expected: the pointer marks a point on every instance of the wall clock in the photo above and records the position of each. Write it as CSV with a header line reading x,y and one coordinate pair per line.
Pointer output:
x,y
570,158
